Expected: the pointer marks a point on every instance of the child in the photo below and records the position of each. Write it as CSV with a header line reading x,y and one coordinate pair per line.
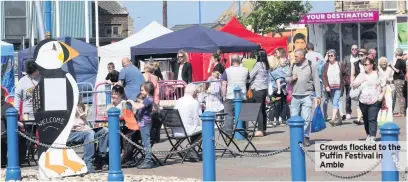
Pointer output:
x,y
213,89
279,75
113,75
144,118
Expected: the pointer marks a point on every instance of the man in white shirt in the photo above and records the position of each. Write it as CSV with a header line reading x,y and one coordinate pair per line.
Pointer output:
x,y
190,110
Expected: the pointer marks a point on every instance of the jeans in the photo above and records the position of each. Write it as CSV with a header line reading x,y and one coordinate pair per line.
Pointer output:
x,y
370,113
145,132
302,105
88,136
347,89
229,118
260,97
335,98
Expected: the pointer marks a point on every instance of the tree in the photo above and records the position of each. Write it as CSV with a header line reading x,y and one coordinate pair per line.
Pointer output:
x,y
270,16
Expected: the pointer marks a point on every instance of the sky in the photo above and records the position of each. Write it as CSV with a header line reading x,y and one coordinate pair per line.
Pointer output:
x,y
186,12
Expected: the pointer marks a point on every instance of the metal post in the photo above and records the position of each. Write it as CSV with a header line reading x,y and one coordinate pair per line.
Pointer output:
x,y
13,171
208,119
389,136
57,19
237,110
108,93
199,12
40,21
239,8
115,171
47,13
297,156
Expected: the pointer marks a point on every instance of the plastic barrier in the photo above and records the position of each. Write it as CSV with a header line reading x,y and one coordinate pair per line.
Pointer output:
x,y
170,91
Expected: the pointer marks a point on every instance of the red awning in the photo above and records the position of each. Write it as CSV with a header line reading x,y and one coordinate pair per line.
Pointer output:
x,y
268,43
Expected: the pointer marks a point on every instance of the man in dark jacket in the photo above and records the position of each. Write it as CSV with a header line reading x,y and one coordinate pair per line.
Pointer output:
x,y
348,61
356,68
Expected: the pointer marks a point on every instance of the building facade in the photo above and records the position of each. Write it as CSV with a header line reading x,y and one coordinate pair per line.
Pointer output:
x,y
369,24
16,21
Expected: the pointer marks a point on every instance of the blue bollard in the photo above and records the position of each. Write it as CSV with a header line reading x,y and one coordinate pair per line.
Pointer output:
x,y
297,156
13,171
108,93
208,119
237,110
389,135
115,171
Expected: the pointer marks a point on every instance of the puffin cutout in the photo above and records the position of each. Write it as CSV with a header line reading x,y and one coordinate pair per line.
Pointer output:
x,y
55,101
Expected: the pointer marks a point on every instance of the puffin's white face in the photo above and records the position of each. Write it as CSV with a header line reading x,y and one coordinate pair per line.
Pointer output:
x,y
53,54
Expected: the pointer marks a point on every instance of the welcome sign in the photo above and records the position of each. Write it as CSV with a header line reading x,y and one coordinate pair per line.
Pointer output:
x,y
340,17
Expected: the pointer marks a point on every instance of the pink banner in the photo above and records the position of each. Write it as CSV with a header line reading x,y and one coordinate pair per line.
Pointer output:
x,y
340,17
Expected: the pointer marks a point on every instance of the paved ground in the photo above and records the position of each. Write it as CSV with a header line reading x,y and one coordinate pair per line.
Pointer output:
x,y
274,168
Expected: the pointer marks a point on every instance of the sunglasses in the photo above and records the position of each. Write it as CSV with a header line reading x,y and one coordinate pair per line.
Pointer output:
x,y
354,49
366,64
361,55
331,56
180,56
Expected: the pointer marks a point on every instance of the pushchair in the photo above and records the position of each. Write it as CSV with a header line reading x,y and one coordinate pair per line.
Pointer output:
x,y
273,103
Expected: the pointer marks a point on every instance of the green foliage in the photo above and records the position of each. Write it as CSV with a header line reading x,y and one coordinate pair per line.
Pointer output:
x,y
269,16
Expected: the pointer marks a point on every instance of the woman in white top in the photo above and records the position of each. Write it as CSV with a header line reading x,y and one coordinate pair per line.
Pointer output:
x,y
385,71
371,97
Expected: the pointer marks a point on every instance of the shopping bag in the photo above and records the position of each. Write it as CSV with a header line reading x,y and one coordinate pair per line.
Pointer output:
x,y
129,117
318,122
385,114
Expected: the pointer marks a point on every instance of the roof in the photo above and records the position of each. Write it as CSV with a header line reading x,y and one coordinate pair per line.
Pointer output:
x,y
112,7
246,10
183,26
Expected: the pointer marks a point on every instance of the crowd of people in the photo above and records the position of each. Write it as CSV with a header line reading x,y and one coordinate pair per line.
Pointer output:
x,y
295,89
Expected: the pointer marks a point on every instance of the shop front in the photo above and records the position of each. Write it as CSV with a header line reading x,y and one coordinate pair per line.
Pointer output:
x,y
340,30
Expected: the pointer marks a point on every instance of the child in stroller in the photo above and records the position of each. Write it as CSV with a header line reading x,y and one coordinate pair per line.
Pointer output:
x,y
277,107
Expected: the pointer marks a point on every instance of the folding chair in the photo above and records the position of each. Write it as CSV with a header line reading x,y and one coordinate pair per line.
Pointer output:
x,y
173,120
249,113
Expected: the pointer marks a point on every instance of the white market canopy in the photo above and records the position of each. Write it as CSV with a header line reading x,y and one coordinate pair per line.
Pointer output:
x,y
116,51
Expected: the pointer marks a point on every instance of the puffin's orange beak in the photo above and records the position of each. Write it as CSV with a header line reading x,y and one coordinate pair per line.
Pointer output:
x,y
68,53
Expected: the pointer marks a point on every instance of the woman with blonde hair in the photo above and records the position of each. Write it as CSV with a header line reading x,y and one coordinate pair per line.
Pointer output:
x,y
184,70
157,71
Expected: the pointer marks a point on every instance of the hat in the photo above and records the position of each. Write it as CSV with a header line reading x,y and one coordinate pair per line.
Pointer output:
x,y
363,51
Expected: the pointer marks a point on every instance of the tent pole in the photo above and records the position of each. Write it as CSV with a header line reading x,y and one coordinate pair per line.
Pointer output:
x,y
199,12
96,23
86,22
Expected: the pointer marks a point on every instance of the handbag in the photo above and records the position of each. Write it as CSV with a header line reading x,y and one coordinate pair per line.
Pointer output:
x,y
355,93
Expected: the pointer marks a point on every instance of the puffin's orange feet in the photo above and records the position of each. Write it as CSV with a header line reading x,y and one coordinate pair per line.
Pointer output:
x,y
56,168
75,166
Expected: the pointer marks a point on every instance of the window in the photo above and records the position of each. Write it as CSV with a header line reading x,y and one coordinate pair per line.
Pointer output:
x,y
332,37
390,5
112,31
15,19
349,33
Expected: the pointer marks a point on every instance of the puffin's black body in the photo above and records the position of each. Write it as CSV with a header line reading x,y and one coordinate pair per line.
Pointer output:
x,y
51,123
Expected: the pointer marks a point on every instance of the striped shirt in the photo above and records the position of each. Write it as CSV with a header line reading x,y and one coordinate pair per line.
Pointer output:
x,y
259,77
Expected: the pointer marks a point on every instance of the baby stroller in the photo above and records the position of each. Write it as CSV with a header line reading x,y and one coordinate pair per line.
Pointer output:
x,y
273,102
